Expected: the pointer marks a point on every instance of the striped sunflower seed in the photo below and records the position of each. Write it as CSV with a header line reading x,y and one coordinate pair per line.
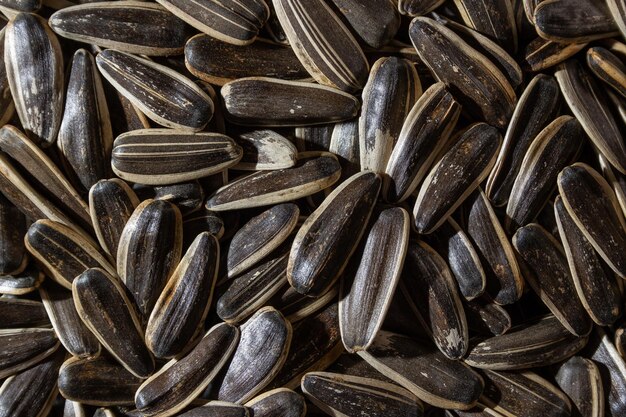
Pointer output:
x,y
328,51
219,62
181,380
595,282
392,88
546,270
425,372
555,21
217,409
365,297
44,173
18,312
464,166
330,235
34,66
587,100
12,7
541,343
99,381
616,179
111,203
613,372
344,143
149,249
523,394
486,317
23,348
31,392
104,307
580,379
161,156
315,344
428,285
233,21
23,283
607,67
420,141
162,94
293,103
477,83
314,138
418,7
85,137
262,350
62,252
185,300
505,283
618,12
265,150
266,188
74,336
555,147
278,402
131,26
13,257
496,19
541,54
260,236
338,394
537,106
7,108
592,204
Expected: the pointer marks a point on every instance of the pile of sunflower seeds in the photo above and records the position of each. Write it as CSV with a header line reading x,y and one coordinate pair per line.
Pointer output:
x,y
281,208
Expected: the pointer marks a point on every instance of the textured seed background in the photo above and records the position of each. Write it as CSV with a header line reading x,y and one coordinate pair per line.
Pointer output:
x,y
290,208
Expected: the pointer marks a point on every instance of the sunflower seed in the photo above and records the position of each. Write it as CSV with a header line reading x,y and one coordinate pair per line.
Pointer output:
x,y
265,188
18,312
99,381
612,371
541,54
102,304
339,394
104,412
217,409
34,66
74,336
493,18
265,150
554,148
504,278
344,143
12,7
392,88
451,242
293,103
432,293
278,402
44,172
425,372
7,108
315,344
617,8
62,252
451,180
85,137
149,249
616,179
262,350
219,62
592,20
23,348
595,283
580,379
477,83
329,236
545,269
608,68
73,409
26,282
365,297
487,317
127,116
425,131
523,394
418,7
31,392
233,21
328,51
187,196
135,27
313,138
540,343
181,380
184,302
537,106
588,198
164,95
13,258
161,156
